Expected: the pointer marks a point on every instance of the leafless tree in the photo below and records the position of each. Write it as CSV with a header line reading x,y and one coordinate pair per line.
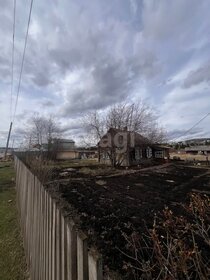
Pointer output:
x,y
95,125
42,130
137,117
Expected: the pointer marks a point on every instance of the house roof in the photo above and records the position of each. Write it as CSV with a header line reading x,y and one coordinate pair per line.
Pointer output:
x,y
159,146
138,138
65,140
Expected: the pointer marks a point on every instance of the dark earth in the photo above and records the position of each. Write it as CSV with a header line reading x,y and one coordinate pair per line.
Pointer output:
x,y
110,206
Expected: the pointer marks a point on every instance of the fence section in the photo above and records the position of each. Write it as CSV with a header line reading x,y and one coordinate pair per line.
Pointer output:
x,y
54,248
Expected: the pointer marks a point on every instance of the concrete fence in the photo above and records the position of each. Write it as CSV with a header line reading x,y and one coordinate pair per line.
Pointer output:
x,y
54,248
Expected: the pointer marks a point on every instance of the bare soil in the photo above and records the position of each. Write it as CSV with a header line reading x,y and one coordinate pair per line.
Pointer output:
x,y
108,207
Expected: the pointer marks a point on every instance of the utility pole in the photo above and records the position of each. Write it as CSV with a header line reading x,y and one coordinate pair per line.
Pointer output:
x,y
8,138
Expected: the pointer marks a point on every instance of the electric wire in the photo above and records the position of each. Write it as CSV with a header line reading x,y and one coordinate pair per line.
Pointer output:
x,y
12,65
22,63
197,123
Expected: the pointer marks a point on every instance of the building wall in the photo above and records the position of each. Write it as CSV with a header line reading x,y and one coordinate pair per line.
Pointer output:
x,y
137,155
104,158
161,153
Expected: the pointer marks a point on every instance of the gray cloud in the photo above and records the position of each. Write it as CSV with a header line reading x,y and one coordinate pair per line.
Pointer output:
x,y
74,126
23,116
41,80
48,103
5,66
198,76
20,131
175,21
178,134
112,83
85,55
3,133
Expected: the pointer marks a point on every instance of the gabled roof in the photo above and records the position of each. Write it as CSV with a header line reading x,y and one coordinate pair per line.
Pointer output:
x,y
159,146
138,138
61,140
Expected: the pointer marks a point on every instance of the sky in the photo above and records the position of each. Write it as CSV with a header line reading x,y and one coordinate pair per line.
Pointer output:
x,y
88,55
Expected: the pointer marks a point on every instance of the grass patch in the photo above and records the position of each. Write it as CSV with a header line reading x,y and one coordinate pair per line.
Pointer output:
x,y
12,259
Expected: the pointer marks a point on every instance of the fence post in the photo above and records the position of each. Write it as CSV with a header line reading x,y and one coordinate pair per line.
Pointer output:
x,y
82,256
71,251
95,265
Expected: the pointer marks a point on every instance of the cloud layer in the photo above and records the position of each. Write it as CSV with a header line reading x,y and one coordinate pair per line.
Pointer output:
x,y
85,55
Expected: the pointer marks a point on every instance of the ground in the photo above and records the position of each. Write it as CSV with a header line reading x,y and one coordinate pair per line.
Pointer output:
x,y
12,260
112,202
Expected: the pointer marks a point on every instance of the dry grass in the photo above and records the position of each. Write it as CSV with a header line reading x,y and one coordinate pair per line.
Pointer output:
x,y
188,157
44,168
75,163
177,247
100,171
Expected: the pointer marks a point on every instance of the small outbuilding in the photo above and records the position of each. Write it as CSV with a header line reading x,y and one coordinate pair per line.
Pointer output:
x,y
65,149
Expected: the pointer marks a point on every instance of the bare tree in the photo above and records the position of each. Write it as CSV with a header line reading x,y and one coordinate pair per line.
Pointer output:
x,y
42,130
137,117
95,125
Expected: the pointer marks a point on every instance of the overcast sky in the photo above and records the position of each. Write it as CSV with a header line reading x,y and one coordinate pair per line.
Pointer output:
x,y
84,55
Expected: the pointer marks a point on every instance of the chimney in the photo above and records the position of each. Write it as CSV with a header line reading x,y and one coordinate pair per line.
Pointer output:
x,y
125,128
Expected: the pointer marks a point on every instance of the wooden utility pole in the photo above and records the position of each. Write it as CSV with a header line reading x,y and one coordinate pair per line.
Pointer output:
x,y
8,138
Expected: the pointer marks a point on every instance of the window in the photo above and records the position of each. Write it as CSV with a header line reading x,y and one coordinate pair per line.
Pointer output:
x,y
105,155
149,152
120,139
159,154
138,153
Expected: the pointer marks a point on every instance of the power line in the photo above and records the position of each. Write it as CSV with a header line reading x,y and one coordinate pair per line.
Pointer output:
x,y
186,132
22,63
21,70
12,76
12,66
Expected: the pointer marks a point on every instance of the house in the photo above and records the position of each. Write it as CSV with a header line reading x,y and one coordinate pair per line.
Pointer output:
x,y
198,150
127,148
